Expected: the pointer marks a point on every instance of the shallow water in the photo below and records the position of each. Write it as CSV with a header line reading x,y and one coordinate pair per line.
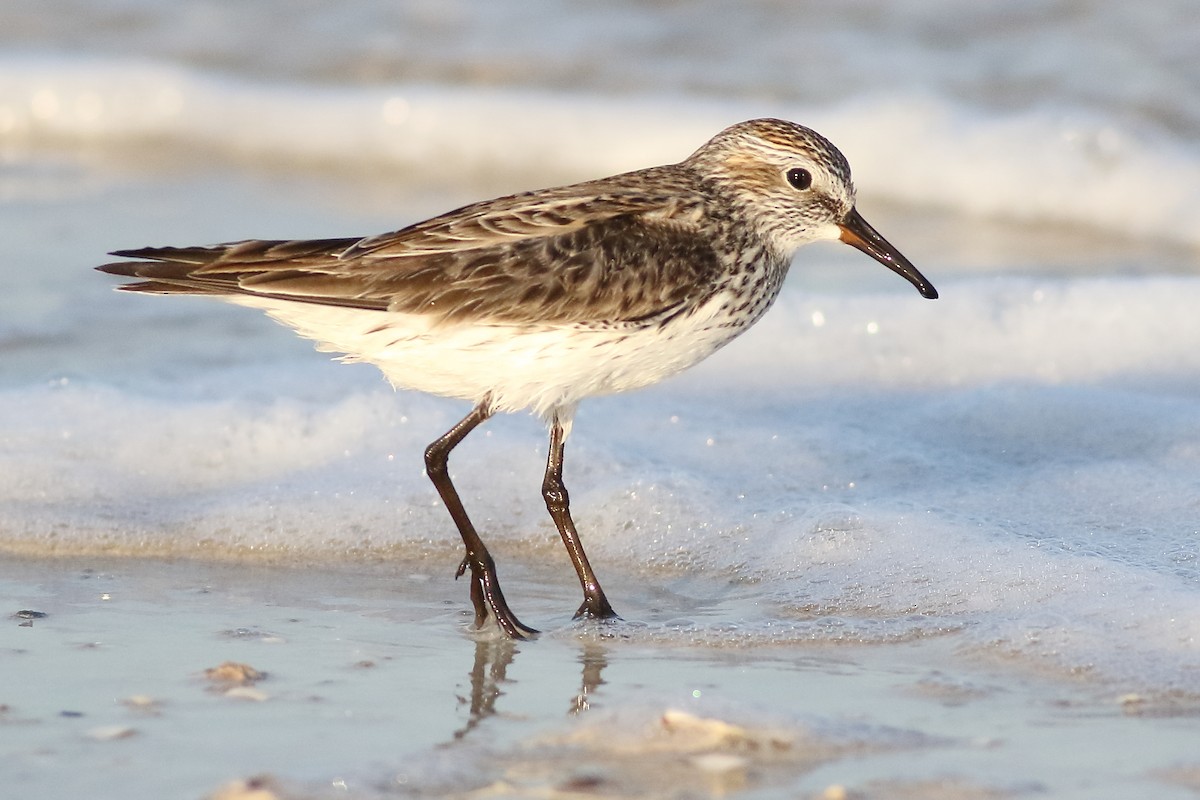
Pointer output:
x,y
370,689
932,540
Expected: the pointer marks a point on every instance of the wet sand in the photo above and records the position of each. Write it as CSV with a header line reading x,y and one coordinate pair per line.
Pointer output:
x,y
364,681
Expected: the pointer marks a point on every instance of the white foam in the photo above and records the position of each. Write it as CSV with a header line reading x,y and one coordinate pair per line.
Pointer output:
x,y
1025,479
1060,167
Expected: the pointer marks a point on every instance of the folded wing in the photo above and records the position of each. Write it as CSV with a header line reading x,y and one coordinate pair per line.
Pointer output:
x,y
580,254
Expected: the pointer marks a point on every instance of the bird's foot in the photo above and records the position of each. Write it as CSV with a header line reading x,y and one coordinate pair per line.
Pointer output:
x,y
489,601
596,607
513,627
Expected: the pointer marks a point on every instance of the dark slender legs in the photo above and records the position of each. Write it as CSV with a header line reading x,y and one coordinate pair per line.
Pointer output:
x,y
558,503
485,586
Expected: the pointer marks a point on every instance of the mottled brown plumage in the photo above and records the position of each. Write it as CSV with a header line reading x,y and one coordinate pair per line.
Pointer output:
x,y
595,252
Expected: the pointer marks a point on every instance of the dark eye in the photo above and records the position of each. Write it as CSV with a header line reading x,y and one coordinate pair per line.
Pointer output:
x,y
799,178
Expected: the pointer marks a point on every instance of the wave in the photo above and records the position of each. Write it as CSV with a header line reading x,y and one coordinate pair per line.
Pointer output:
x,y
1051,168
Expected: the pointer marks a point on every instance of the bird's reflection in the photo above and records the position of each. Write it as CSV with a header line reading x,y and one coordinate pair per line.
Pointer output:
x,y
492,659
490,669
594,658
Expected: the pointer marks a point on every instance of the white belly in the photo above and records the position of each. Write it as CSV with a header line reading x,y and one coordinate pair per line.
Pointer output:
x,y
543,368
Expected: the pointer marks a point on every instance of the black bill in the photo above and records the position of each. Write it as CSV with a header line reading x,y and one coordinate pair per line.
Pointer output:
x,y
858,234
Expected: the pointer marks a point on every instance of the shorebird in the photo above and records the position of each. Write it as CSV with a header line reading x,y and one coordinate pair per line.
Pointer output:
x,y
538,300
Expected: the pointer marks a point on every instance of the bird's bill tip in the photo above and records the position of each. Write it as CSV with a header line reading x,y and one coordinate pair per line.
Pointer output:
x,y
856,232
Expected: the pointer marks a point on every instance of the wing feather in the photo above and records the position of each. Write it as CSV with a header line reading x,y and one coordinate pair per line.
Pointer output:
x,y
597,252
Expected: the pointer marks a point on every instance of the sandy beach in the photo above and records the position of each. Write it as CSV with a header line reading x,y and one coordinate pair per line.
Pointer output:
x,y
876,548
369,685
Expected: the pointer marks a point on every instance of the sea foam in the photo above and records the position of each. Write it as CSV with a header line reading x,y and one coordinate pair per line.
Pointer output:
x,y
1064,167
1024,480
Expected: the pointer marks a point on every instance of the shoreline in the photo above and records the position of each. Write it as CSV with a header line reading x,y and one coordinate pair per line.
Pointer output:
x,y
374,687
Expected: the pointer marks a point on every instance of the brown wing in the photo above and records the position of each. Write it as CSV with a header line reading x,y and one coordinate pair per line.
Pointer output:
x,y
601,251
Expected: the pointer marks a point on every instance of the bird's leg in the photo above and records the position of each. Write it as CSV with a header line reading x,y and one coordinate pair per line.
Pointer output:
x,y
485,586
558,503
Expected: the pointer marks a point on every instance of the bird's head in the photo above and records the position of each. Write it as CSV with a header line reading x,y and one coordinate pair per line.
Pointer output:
x,y
794,187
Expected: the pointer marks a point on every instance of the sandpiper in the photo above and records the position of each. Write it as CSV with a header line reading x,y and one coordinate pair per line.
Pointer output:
x,y
538,300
